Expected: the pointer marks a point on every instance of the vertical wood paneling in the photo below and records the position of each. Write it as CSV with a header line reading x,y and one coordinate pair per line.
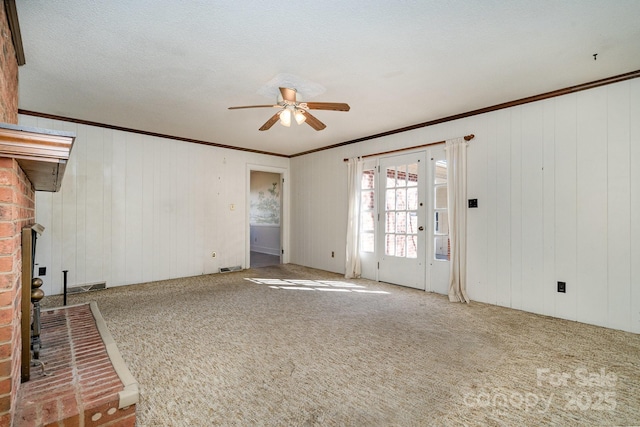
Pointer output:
x,y
618,207
80,250
198,188
295,248
133,208
235,194
549,209
532,200
160,264
566,204
303,211
148,166
213,185
315,209
60,234
503,207
578,220
107,173
137,208
634,165
477,218
182,200
68,214
516,208
119,210
491,207
164,194
592,206
193,196
94,206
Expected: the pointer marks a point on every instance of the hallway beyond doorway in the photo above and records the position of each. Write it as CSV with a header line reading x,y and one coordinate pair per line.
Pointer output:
x,y
259,259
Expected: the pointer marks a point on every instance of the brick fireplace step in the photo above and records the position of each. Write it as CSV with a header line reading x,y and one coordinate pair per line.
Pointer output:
x,y
89,383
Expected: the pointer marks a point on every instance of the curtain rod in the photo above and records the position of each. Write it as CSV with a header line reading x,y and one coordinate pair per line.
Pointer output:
x,y
466,138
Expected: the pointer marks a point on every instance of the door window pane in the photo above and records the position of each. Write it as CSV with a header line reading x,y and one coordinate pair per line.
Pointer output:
x,y
412,222
412,198
401,176
401,222
441,197
441,248
401,199
367,211
441,222
440,172
368,181
390,200
367,242
412,246
367,200
401,206
390,244
390,226
391,177
412,175
400,245
440,213
367,223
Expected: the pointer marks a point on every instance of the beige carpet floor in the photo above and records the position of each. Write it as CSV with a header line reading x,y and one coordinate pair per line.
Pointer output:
x,y
304,347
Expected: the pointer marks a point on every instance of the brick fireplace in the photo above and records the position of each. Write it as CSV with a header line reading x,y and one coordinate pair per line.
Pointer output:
x,y
16,210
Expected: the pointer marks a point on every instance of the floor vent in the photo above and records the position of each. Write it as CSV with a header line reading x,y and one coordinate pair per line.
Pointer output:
x,y
86,288
229,269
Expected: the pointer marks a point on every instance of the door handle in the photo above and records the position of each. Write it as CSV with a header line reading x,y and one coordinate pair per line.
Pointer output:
x,y
421,228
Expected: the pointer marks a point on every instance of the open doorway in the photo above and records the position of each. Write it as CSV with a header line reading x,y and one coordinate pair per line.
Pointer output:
x,y
265,214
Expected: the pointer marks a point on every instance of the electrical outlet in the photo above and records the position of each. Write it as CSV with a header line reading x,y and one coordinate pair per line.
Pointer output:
x,y
333,254
213,254
562,287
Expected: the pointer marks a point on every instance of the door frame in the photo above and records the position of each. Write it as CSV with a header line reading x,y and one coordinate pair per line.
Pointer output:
x,y
285,209
421,265
432,278
438,269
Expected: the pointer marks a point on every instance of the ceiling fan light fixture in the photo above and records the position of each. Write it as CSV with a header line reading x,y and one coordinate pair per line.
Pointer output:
x,y
289,104
285,117
299,116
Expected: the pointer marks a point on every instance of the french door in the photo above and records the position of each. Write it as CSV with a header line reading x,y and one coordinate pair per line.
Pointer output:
x,y
401,223
438,247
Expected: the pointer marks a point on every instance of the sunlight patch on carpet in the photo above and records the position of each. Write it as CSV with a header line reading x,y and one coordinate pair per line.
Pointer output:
x,y
314,285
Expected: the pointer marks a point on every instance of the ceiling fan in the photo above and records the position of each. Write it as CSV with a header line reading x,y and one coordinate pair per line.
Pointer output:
x,y
290,106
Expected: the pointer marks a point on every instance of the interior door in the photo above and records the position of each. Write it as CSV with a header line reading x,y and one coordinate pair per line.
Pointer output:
x,y
401,234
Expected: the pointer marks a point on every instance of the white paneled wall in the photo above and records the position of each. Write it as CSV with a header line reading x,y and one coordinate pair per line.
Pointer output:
x,y
558,184
135,208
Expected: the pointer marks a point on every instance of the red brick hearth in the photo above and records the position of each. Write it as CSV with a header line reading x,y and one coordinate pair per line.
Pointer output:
x,y
88,383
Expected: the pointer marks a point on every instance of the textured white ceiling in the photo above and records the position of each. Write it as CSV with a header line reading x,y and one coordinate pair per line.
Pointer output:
x,y
173,67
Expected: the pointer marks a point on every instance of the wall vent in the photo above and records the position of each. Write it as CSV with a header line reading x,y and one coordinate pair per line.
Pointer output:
x,y
230,269
86,287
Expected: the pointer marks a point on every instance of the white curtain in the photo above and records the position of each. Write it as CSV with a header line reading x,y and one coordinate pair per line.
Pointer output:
x,y
353,268
456,153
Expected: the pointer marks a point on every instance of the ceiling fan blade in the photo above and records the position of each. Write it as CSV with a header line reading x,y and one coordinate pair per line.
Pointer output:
x,y
288,94
271,121
333,106
255,106
313,122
